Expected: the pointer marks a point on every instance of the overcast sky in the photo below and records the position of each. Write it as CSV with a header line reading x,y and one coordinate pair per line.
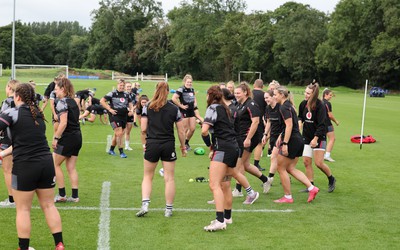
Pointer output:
x,y
80,10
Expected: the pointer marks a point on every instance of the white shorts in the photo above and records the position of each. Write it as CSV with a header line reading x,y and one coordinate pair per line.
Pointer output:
x,y
308,150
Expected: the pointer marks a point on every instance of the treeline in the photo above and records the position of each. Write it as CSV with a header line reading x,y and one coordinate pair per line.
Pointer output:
x,y
215,39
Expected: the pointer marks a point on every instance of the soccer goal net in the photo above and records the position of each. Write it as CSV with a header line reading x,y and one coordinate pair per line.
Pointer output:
x,y
41,74
248,76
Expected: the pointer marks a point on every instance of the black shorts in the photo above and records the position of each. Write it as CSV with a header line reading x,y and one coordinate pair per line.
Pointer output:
x,y
253,143
160,150
187,113
295,147
32,175
227,156
117,121
272,141
69,145
129,119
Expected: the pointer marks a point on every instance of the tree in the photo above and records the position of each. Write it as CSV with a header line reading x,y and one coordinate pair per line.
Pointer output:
x,y
112,34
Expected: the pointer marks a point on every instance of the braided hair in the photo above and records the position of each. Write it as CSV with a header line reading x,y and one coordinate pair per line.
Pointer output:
x,y
27,94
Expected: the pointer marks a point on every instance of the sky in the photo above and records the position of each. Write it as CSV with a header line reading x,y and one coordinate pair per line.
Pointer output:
x,y
80,10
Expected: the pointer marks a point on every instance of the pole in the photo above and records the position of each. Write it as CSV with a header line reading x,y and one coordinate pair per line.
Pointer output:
x,y
363,115
13,47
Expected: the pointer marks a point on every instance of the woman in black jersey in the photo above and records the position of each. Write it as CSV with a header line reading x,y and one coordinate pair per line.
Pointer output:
x,y
185,99
67,140
225,152
94,108
130,116
33,170
248,116
119,104
273,128
157,121
5,142
312,115
143,100
290,145
326,97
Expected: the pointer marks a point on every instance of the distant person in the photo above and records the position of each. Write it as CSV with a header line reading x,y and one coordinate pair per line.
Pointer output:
x,y
290,145
327,96
273,128
136,91
130,116
157,121
143,100
49,89
119,104
5,142
81,96
33,170
258,97
67,140
312,117
38,97
185,99
93,110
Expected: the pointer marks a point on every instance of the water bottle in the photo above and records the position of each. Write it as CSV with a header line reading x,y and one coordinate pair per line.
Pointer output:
x,y
109,140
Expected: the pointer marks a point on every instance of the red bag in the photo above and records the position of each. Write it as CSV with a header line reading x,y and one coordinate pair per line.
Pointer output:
x,y
366,139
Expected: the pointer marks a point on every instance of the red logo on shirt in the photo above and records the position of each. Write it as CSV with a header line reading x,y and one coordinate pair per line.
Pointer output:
x,y
309,115
122,99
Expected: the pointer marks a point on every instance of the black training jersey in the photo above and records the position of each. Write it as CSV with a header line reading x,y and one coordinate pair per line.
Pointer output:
x,y
133,98
95,101
38,98
49,89
160,125
328,107
222,126
245,112
313,121
119,101
28,139
288,111
186,96
83,94
258,97
6,104
69,105
275,118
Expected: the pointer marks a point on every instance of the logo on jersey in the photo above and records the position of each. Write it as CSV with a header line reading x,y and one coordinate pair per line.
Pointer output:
x,y
309,115
190,94
54,181
122,99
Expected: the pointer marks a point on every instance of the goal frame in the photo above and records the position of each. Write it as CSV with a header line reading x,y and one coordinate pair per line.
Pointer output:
x,y
41,66
248,72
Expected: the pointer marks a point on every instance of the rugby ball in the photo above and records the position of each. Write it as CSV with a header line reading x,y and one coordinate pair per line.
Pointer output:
x,y
199,151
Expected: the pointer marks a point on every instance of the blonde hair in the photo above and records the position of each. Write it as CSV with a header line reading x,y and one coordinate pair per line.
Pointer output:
x,y
187,76
12,84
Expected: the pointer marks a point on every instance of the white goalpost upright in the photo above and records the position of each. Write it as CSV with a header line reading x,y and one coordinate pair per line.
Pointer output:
x,y
254,73
363,113
1,69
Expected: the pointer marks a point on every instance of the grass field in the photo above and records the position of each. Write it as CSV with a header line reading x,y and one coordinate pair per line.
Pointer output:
x,y
362,213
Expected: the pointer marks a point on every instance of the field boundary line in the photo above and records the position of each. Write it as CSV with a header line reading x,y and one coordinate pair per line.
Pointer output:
x,y
200,210
103,242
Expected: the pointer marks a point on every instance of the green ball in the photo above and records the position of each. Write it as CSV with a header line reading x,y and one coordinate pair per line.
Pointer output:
x,y
199,151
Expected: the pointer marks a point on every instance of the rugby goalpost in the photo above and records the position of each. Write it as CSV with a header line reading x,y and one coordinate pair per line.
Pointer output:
x,y
1,69
26,72
242,74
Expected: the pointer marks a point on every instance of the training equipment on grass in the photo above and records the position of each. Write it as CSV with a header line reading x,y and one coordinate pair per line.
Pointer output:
x,y
191,180
363,113
172,91
199,151
366,139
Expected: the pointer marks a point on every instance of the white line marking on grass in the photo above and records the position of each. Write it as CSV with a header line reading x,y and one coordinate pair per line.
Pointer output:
x,y
178,209
103,242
